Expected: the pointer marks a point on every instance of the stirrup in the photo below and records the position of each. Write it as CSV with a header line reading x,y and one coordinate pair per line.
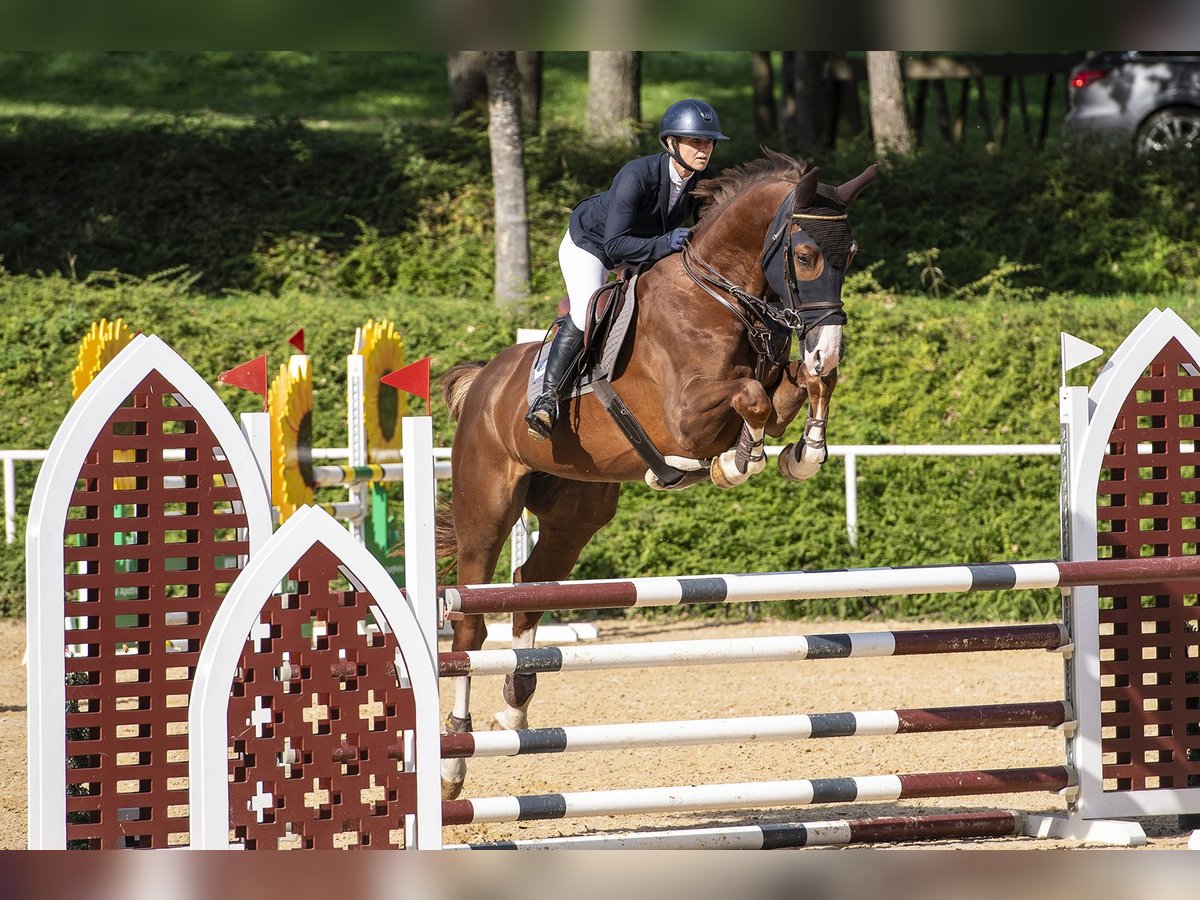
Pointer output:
x,y
542,416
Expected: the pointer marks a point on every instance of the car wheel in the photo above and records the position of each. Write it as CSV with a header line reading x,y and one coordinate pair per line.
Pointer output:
x,y
1171,128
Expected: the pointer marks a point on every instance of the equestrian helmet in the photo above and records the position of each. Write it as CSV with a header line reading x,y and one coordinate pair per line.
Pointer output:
x,y
690,118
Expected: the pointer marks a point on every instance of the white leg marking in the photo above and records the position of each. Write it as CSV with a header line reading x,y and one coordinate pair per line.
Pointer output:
x,y
462,696
725,470
513,717
455,770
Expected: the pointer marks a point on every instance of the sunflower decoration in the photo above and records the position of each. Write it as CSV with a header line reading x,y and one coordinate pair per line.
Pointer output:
x,y
383,351
99,346
291,437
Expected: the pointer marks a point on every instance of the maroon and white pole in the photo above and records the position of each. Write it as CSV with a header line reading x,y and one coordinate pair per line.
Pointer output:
x,y
803,792
747,729
782,836
849,645
668,591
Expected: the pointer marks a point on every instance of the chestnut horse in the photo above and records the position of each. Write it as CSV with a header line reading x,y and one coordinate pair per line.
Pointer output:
x,y
706,371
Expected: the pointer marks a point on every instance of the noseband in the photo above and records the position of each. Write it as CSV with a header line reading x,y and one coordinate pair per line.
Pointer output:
x,y
794,308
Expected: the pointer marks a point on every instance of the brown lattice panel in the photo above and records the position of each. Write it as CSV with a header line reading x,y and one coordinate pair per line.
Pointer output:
x,y
320,728
150,548
1147,506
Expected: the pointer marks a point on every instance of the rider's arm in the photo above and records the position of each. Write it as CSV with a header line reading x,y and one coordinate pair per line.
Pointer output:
x,y
633,191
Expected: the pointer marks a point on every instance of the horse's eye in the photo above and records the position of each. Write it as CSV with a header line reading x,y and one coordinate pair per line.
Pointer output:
x,y
851,254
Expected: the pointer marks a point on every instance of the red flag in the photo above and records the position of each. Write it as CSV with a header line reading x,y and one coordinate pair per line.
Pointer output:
x,y
297,340
413,378
250,376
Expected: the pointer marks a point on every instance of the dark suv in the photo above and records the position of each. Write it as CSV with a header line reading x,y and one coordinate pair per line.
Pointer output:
x,y
1150,98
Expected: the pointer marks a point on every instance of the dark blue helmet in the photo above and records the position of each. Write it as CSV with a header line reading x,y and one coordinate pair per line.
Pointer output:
x,y
690,118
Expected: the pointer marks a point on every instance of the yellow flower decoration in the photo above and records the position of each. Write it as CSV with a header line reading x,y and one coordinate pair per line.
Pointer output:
x,y
99,346
383,352
291,437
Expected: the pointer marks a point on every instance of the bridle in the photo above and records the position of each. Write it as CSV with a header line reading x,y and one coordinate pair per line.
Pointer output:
x,y
798,315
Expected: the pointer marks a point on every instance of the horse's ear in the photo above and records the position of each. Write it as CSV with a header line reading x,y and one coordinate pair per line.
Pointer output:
x,y
806,189
849,191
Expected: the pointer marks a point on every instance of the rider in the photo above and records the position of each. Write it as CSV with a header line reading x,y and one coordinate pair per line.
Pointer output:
x,y
637,220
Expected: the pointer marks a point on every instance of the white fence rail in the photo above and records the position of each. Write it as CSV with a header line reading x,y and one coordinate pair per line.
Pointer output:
x,y
849,452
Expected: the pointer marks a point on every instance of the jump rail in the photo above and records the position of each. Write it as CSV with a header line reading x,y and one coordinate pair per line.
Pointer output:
x,y
665,591
783,836
757,649
800,792
749,729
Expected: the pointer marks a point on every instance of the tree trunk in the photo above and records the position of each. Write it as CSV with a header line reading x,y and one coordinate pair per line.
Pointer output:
x,y
529,65
763,79
614,96
889,112
468,81
812,100
787,99
508,176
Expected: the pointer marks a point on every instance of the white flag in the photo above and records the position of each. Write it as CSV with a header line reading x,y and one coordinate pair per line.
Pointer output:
x,y
1076,352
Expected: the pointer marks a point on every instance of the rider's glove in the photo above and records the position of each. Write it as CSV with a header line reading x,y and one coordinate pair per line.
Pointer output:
x,y
678,238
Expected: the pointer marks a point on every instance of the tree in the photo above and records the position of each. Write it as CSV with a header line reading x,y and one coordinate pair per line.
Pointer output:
x,y
812,100
889,112
529,66
614,95
763,78
508,176
467,70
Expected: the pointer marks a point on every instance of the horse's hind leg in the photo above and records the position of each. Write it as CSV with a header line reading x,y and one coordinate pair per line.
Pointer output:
x,y
569,514
488,504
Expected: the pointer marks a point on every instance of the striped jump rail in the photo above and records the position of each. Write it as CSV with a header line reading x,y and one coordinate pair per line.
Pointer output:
x,y
667,591
678,733
851,645
785,836
803,792
369,473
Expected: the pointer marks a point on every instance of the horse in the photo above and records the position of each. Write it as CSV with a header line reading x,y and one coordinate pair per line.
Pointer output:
x,y
705,370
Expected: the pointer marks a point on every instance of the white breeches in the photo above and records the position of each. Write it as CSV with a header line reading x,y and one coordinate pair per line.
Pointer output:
x,y
584,275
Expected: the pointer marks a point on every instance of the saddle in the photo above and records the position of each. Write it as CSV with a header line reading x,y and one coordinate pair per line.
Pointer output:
x,y
606,327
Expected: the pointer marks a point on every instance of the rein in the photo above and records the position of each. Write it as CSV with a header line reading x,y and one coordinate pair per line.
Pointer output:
x,y
760,335
767,313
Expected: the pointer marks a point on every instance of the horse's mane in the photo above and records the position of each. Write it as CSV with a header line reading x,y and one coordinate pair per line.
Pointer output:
x,y
716,192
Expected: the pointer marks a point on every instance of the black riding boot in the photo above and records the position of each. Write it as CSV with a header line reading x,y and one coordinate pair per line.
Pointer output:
x,y
564,350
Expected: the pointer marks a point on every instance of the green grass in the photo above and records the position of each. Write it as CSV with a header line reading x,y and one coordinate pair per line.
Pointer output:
x,y
325,88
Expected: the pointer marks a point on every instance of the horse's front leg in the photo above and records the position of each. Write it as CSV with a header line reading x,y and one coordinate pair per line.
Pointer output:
x,y
748,457
802,460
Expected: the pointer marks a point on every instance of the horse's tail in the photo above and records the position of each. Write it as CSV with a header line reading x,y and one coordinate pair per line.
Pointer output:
x,y
456,383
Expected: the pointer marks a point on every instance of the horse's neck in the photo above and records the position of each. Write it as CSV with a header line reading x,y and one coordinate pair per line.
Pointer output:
x,y
732,243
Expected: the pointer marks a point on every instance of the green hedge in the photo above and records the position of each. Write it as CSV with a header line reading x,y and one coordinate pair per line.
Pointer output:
x,y
917,370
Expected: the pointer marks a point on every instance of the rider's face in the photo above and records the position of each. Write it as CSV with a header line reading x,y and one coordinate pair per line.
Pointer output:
x,y
695,152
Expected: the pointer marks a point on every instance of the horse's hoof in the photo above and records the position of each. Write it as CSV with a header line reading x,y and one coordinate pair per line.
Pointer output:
x,y
801,469
451,789
509,720
720,479
725,474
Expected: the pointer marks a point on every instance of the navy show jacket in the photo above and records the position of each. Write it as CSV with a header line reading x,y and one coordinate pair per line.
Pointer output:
x,y
628,224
